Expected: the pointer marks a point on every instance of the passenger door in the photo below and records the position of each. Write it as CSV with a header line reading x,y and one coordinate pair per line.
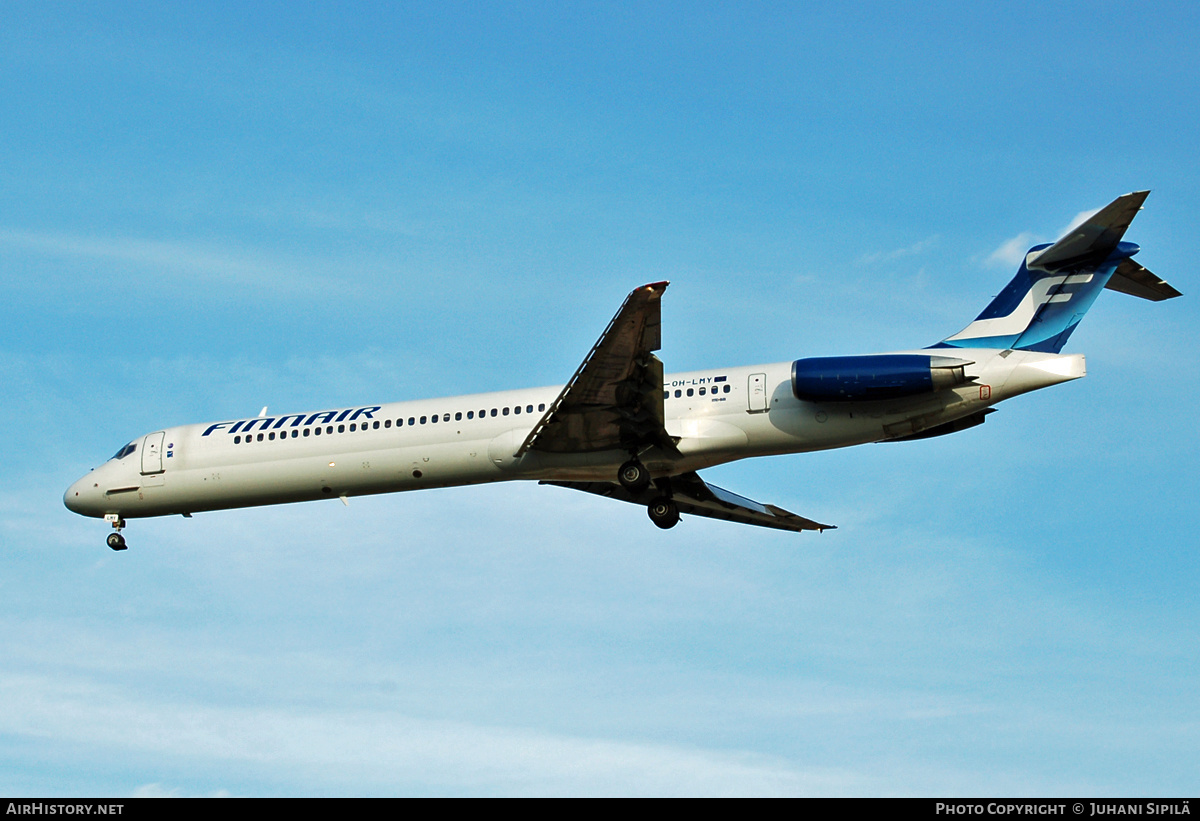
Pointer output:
x,y
152,456
756,393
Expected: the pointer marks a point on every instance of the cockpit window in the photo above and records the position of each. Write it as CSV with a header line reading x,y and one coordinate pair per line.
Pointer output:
x,y
125,451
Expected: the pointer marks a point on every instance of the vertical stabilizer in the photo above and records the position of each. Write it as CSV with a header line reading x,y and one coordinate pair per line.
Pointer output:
x,y
1056,284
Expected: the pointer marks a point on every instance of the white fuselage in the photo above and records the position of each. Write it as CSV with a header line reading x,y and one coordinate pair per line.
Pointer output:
x,y
718,416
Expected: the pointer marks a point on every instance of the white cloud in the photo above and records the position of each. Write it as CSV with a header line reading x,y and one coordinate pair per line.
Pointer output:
x,y
1012,251
899,253
373,751
187,259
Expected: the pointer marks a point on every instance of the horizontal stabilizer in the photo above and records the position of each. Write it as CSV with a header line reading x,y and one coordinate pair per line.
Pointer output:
x,y
1131,278
1095,238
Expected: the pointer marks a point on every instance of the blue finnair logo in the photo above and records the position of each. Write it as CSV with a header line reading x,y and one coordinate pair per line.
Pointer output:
x,y
294,420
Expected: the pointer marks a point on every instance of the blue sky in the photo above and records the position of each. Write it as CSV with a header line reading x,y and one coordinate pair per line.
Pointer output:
x,y
205,210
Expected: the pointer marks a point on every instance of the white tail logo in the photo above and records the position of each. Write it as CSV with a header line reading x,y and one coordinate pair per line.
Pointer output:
x,y
1017,321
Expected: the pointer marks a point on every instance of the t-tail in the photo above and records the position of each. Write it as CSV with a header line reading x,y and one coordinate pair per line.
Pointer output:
x,y
1058,282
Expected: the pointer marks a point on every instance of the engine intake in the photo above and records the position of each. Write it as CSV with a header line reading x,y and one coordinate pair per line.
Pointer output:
x,y
882,376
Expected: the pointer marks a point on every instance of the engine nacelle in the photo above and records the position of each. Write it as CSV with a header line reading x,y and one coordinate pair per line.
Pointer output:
x,y
882,376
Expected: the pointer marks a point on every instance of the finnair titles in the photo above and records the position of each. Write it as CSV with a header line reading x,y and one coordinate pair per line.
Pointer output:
x,y
621,428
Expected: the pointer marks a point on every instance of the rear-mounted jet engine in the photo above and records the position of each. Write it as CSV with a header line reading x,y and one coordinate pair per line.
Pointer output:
x,y
882,376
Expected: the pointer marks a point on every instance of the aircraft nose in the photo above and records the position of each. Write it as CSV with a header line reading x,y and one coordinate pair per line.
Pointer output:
x,y
81,497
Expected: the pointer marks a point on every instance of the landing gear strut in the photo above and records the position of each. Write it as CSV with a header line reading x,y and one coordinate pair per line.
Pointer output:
x,y
115,540
634,477
663,512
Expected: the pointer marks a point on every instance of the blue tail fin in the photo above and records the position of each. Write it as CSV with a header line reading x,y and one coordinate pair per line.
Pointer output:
x,y
1057,284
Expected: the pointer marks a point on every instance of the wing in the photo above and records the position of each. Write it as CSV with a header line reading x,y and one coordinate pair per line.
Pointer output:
x,y
615,399
693,495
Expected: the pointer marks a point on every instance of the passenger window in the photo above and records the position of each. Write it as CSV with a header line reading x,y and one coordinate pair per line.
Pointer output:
x,y
702,391
529,408
237,440
412,420
271,436
470,414
341,428
352,427
541,407
678,393
445,417
458,416
387,423
690,391
329,429
505,412
433,419
517,409
493,411
726,389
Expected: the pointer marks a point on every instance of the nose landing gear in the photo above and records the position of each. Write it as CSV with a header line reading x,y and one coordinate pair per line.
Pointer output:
x,y
115,540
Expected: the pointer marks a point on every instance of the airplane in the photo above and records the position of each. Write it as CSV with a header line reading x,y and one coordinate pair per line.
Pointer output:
x,y
624,429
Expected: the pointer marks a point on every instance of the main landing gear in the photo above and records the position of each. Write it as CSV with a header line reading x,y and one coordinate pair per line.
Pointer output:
x,y
115,540
634,477
663,512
